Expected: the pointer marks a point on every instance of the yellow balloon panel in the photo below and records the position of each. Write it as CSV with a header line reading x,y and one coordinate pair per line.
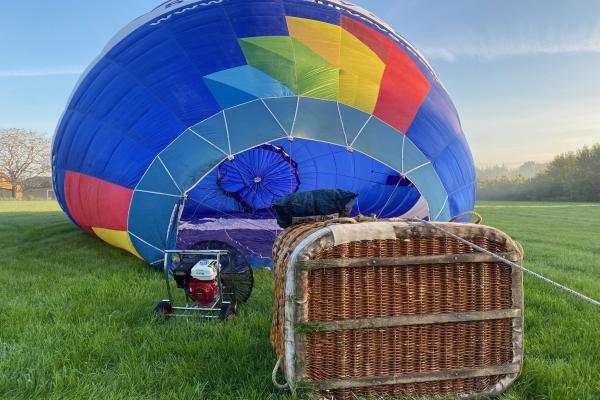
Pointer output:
x,y
118,239
321,37
361,70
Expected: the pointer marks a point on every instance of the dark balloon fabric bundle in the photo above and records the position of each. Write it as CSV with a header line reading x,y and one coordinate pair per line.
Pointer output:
x,y
313,203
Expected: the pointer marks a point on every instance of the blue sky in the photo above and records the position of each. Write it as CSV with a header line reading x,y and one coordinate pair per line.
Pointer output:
x,y
524,75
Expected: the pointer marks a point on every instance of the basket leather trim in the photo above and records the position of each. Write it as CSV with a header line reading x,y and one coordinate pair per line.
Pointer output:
x,y
348,233
348,383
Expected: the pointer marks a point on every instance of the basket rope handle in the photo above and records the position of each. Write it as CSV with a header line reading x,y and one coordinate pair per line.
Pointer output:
x,y
281,386
478,217
350,220
345,220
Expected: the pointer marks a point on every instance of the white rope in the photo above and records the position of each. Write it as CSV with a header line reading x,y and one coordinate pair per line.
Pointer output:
x,y
361,130
278,385
442,208
403,147
143,241
227,131
208,141
342,120
159,193
417,168
390,197
291,134
275,118
169,173
512,264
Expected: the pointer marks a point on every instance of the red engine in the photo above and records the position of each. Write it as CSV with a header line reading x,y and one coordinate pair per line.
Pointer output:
x,y
202,282
203,291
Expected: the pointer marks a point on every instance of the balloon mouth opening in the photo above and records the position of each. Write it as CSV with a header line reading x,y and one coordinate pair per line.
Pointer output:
x,y
247,184
233,203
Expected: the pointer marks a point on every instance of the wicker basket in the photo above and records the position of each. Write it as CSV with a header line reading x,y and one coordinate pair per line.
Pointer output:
x,y
396,309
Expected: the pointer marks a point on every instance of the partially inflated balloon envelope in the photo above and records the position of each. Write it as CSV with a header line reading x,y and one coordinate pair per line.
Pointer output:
x,y
200,114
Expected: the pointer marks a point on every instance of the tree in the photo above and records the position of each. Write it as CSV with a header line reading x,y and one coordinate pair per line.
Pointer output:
x,y
569,177
23,155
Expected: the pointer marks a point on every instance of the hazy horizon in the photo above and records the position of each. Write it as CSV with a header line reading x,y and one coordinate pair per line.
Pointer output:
x,y
523,75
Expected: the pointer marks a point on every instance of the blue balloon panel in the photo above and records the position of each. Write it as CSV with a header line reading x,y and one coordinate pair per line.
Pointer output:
x,y
228,105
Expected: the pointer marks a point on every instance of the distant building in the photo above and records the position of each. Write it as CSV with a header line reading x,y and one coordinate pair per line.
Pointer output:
x,y
6,190
38,188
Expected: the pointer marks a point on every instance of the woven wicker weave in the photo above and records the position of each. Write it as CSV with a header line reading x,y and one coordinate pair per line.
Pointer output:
x,y
418,315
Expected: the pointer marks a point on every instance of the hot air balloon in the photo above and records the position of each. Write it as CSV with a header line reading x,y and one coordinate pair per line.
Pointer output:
x,y
199,114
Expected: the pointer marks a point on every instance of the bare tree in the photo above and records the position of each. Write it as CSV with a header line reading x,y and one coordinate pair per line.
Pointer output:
x,y
23,155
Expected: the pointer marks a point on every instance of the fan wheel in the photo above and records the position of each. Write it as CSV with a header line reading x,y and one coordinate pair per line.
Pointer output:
x,y
236,273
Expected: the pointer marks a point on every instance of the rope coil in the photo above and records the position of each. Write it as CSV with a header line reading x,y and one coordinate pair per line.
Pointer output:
x,y
472,214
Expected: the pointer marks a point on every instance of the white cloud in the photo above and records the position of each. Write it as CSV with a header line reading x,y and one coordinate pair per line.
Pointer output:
x,y
499,50
438,53
40,72
519,42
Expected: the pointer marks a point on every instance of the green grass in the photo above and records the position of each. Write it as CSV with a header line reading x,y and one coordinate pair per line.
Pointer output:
x,y
76,318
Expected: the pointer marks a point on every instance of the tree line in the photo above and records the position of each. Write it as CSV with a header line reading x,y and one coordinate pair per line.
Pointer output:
x,y
527,170
573,176
24,159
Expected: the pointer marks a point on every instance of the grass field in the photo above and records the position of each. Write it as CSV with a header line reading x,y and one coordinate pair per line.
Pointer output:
x,y
76,315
